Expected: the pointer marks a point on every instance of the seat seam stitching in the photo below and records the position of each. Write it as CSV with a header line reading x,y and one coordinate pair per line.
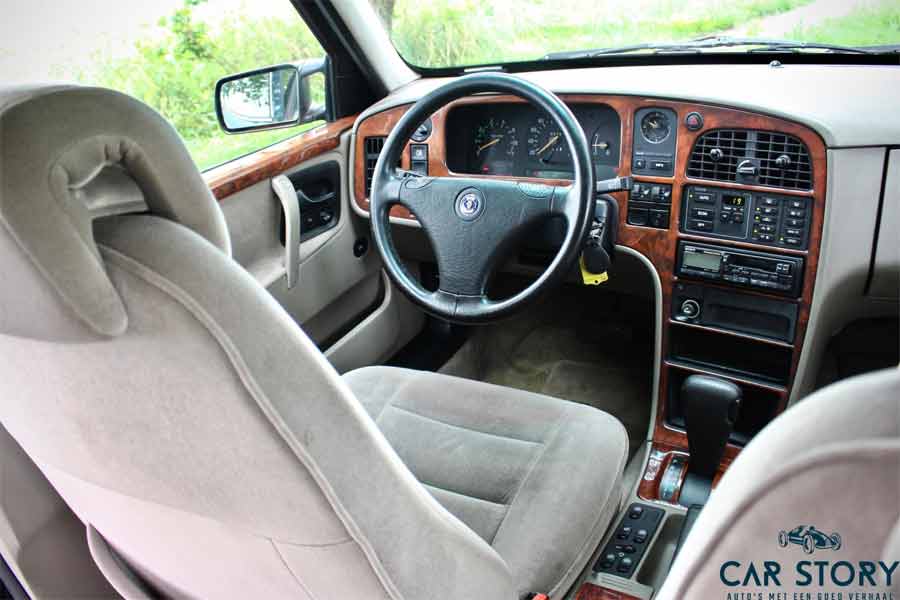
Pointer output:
x,y
557,427
480,499
496,435
290,570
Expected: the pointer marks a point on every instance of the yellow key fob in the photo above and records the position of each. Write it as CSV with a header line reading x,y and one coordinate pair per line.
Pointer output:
x,y
591,278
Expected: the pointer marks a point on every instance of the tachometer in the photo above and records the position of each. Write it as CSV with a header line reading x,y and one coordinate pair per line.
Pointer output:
x,y
656,127
546,142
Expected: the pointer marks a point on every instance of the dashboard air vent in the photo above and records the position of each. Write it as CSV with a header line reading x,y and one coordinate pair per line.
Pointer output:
x,y
753,157
373,146
783,161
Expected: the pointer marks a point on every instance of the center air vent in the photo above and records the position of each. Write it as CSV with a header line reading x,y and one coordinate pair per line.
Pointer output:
x,y
754,157
373,146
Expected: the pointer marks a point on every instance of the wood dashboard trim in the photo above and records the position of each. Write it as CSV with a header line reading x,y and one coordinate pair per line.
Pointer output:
x,y
241,173
657,245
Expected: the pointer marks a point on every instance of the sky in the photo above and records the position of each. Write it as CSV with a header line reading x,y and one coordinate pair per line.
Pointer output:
x,y
54,39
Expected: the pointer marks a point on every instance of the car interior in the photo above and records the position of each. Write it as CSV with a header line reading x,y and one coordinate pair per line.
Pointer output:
x,y
580,328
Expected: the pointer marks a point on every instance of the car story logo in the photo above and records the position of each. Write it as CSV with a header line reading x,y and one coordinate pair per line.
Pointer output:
x,y
873,577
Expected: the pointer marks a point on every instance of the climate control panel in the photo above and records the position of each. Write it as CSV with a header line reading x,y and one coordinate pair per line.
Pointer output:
x,y
759,217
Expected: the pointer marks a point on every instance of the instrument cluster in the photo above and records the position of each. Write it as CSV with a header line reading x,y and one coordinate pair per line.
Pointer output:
x,y
520,140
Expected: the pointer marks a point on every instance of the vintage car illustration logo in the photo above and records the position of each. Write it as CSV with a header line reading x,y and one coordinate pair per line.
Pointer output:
x,y
809,538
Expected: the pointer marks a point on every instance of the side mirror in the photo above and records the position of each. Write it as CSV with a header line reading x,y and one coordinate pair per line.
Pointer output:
x,y
273,97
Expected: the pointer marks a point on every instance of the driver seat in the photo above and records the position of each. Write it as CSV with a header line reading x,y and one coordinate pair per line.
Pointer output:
x,y
207,445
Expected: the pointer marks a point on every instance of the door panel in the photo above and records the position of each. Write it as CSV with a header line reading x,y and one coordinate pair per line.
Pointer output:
x,y
338,291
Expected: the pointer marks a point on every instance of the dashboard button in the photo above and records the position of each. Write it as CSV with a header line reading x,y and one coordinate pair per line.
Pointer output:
x,y
705,198
418,151
693,121
796,213
794,222
640,163
769,201
659,218
702,213
698,225
797,203
793,232
637,216
792,241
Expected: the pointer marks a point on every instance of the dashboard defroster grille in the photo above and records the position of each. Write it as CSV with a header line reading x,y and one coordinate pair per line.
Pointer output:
x,y
754,157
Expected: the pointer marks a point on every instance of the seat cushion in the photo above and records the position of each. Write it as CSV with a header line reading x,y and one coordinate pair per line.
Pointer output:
x,y
536,477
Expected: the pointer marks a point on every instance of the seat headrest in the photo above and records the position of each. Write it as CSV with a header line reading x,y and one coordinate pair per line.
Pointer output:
x,y
71,154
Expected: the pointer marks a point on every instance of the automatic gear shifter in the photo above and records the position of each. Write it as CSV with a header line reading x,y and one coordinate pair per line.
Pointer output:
x,y
710,406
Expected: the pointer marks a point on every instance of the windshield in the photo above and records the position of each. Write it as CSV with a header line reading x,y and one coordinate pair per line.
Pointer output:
x,y
451,33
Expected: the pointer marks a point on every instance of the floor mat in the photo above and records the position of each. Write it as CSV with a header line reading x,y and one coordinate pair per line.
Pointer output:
x,y
581,345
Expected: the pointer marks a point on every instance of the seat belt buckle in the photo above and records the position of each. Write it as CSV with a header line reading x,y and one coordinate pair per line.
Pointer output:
x,y
536,596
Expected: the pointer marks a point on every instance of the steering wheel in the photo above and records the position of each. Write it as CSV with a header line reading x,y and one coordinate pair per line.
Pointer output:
x,y
473,221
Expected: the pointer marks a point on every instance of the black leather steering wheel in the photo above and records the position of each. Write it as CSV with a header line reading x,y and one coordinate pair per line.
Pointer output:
x,y
473,221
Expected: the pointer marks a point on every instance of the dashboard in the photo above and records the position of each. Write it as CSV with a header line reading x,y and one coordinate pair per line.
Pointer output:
x,y
727,207
520,140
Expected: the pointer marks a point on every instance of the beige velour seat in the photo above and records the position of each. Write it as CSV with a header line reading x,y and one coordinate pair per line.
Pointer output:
x,y
207,445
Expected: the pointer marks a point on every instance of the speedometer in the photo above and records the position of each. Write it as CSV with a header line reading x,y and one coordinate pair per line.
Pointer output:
x,y
546,142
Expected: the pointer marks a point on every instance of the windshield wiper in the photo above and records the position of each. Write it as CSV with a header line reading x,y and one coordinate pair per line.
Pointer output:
x,y
699,44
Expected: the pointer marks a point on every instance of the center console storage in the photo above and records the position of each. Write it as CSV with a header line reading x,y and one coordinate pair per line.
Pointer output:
x,y
734,311
730,355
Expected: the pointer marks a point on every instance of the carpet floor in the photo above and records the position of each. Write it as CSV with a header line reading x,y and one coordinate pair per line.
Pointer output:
x,y
580,344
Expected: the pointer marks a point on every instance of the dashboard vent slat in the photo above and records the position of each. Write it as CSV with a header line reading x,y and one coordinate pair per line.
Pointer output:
x,y
372,146
780,160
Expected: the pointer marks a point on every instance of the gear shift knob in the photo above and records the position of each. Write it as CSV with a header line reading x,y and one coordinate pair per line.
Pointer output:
x,y
710,406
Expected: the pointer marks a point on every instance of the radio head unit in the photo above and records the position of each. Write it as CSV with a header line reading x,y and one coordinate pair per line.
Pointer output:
x,y
745,268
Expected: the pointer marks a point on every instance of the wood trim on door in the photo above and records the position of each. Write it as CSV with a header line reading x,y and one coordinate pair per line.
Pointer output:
x,y
241,173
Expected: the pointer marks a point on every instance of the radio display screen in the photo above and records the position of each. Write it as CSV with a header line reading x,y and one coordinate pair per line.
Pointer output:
x,y
702,260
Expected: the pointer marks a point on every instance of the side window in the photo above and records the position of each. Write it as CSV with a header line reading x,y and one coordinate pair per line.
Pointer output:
x,y
170,54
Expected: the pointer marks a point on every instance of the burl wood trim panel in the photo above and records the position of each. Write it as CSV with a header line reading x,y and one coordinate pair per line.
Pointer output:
x,y
243,172
589,591
658,245
661,456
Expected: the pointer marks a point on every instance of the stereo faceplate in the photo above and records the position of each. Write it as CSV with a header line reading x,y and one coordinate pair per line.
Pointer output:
x,y
745,268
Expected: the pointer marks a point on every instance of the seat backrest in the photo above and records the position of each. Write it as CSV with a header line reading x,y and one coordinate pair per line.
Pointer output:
x,y
175,406
820,483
